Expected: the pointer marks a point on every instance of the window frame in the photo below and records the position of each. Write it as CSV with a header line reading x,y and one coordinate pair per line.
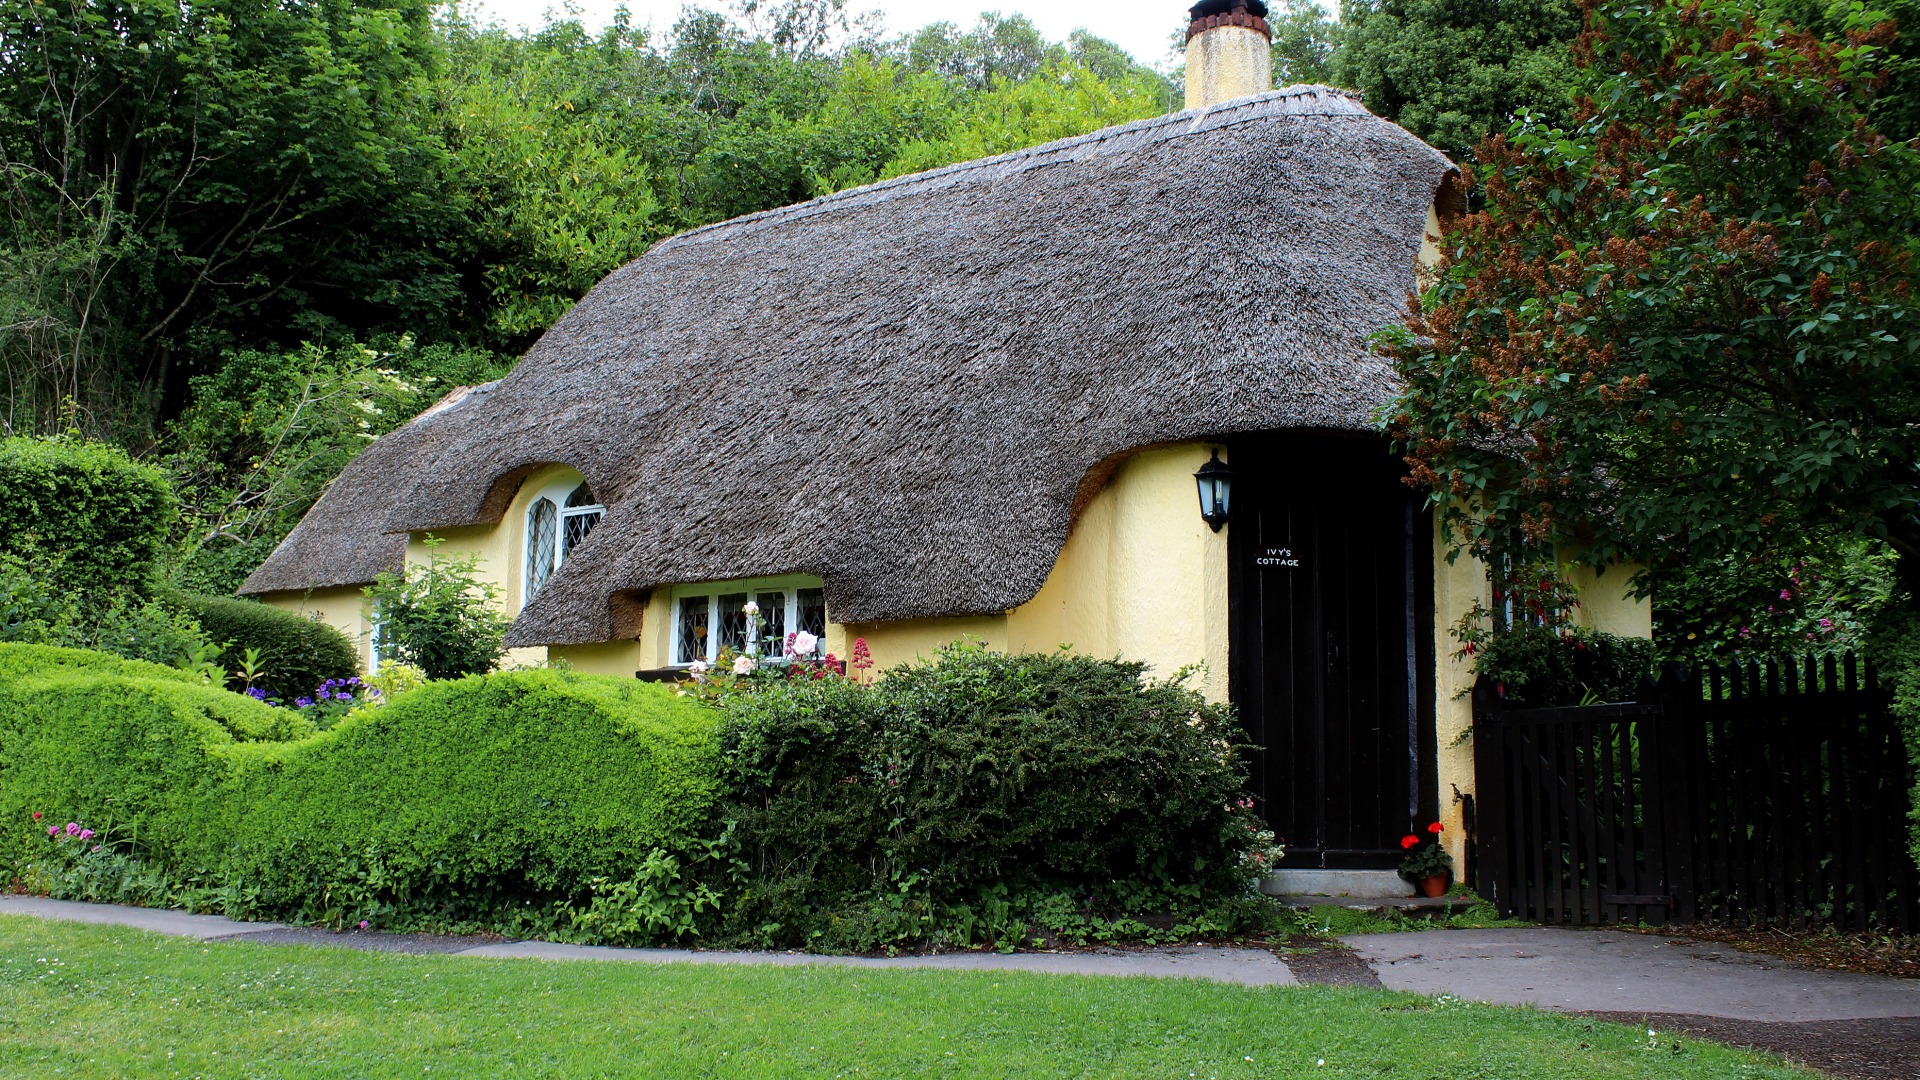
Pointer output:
x,y
556,492
790,586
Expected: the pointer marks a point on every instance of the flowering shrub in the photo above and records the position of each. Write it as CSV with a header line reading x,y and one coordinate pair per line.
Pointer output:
x,y
1425,858
329,702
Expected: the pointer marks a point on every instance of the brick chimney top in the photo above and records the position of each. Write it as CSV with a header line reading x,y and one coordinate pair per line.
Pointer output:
x,y
1213,14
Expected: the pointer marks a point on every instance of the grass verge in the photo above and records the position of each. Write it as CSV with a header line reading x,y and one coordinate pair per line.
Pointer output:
x,y
87,1001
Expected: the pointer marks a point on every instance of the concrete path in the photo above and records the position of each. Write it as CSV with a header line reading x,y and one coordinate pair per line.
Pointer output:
x,y
1613,971
1247,967
1591,971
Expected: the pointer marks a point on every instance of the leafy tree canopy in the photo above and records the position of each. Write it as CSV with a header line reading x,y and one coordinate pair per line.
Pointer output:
x,y
1451,71
1682,328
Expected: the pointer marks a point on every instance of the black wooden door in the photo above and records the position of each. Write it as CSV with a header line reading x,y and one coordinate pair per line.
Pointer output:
x,y
1332,644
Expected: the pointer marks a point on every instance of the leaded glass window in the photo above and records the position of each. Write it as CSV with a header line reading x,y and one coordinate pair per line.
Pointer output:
x,y
773,614
733,622
691,637
558,519
709,619
542,521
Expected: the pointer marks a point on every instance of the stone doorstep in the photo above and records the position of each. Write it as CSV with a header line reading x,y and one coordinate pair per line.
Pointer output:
x,y
1376,885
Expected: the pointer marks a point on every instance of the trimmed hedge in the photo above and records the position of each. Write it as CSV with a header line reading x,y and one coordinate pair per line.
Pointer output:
x,y
456,800
130,748
470,796
297,653
86,511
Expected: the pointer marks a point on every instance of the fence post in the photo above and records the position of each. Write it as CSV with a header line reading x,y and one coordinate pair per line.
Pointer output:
x,y
1671,731
1491,799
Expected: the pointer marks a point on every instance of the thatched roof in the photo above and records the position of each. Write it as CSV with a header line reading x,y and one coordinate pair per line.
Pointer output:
x,y
903,388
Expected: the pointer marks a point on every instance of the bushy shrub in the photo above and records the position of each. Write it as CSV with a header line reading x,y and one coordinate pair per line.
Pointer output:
x,y
441,617
1541,668
1895,649
297,654
513,796
35,610
1034,774
88,513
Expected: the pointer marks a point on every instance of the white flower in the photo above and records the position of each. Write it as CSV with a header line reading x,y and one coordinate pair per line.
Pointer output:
x,y
804,644
698,669
744,666
752,608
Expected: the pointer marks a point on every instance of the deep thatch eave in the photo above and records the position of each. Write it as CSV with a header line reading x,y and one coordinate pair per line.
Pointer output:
x,y
900,388
343,541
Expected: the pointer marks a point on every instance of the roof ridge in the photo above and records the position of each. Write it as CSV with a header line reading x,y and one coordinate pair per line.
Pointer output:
x,y
1205,118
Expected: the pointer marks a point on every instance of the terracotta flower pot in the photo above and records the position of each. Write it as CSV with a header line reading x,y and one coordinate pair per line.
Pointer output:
x,y
1434,886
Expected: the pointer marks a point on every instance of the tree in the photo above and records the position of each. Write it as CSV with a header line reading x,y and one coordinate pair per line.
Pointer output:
x,y
1682,329
1305,40
205,174
1896,101
1453,71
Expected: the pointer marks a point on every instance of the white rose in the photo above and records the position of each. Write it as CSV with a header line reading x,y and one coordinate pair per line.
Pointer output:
x,y
744,666
804,644
752,608
698,669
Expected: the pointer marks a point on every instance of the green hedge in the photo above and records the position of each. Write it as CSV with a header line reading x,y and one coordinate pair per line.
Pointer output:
x,y
86,511
297,653
463,797
456,800
132,749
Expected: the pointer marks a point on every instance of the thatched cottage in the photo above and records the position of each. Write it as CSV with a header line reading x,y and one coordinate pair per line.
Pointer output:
x,y
974,402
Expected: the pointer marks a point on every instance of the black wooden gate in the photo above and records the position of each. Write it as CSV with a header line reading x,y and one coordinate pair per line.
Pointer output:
x,y
1767,795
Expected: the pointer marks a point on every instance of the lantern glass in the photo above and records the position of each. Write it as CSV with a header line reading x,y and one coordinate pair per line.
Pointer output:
x,y
1215,482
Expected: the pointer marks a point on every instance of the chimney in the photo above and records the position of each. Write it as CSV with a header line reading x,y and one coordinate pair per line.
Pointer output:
x,y
1229,51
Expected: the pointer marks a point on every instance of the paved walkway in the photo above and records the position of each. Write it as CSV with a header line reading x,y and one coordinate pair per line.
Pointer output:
x,y
1613,971
1560,970
1247,967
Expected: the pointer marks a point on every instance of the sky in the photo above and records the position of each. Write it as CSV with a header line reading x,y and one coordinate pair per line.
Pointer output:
x,y
1142,27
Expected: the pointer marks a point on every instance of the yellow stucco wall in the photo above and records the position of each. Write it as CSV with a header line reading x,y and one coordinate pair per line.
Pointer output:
x,y
1457,587
1227,62
1141,576
345,609
1607,603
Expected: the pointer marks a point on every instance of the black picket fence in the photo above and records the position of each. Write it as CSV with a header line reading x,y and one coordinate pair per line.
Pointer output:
x,y
1767,795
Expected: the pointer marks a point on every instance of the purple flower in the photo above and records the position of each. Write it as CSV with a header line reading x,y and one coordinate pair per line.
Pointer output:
x,y
363,924
73,828
96,847
53,830
302,702
256,693
86,834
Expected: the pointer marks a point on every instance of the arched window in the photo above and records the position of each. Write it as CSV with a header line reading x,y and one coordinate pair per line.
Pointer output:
x,y
542,519
558,519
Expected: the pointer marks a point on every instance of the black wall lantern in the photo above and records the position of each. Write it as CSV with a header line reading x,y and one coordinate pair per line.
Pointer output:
x,y
1216,491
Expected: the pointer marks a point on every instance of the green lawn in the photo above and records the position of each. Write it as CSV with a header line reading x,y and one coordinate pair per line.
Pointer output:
x,y
106,1002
